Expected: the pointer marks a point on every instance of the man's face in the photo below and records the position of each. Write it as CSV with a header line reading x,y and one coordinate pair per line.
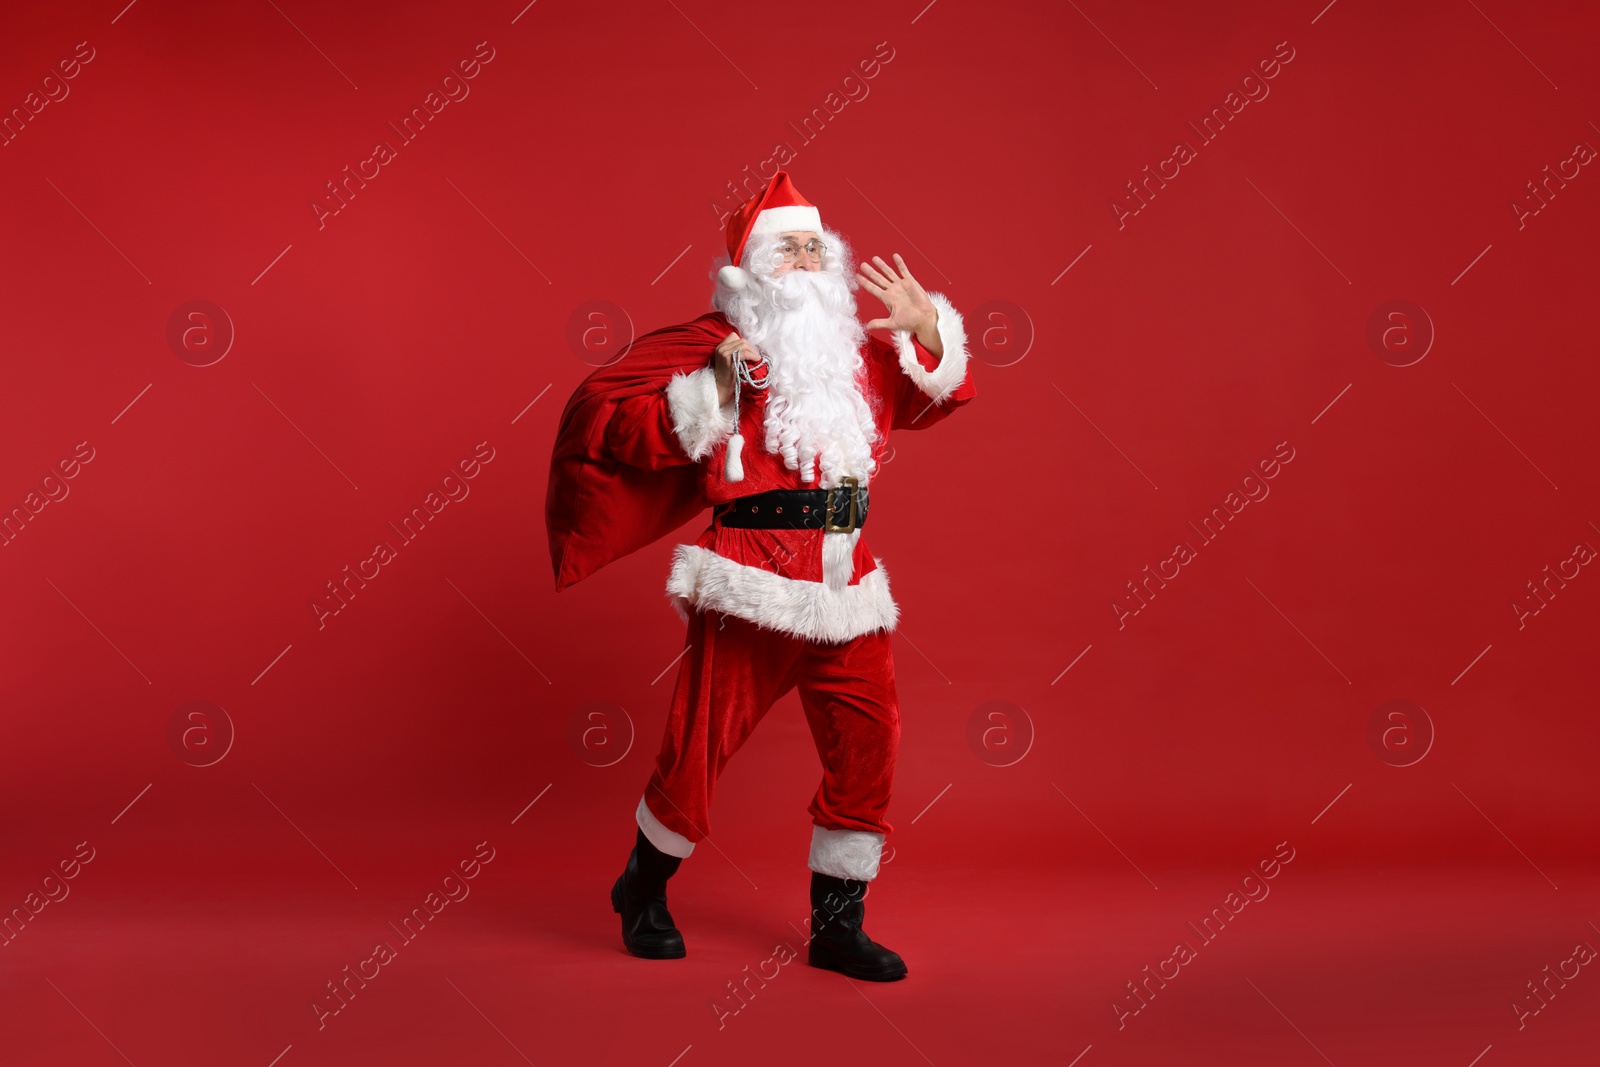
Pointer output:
x,y
798,240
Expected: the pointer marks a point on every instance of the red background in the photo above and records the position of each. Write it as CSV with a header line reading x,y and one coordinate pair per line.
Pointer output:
x,y
1121,399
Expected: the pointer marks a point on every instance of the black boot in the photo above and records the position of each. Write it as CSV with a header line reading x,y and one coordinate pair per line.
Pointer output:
x,y
640,897
837,940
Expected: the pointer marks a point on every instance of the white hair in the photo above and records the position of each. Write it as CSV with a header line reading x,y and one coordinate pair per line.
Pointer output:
x,y
761,259
805,321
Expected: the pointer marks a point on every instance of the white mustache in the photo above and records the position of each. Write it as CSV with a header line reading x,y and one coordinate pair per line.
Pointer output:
x,y
794,289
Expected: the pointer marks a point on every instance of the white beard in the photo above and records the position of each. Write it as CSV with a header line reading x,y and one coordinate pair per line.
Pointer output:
x,y
805,323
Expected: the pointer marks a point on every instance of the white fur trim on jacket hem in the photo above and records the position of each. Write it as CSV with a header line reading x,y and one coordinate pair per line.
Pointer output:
x,y
943,380
669,841
838,566
814,610
696,418
852,854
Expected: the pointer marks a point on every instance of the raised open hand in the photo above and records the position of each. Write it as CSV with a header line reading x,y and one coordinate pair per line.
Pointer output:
x,y
907,303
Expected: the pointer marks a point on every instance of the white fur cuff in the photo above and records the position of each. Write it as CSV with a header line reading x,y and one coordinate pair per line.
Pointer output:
x,y
696,418
940,382
849,854
669,841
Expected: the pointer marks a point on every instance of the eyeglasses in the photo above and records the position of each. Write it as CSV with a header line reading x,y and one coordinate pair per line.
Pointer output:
x,y
791,251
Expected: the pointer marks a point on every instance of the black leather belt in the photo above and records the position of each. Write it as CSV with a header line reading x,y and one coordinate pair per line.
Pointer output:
x,y
841,509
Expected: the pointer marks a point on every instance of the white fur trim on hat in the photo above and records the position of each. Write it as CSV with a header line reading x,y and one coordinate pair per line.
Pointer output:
x,y
794,217
852,854
944,379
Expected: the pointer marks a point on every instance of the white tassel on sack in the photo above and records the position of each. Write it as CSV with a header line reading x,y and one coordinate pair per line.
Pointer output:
x,y
733,469
733,463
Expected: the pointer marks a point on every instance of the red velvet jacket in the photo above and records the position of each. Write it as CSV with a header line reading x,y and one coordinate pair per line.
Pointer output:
x,y
810,583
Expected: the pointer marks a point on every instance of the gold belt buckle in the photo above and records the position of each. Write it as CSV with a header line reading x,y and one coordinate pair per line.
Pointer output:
x,y
853,483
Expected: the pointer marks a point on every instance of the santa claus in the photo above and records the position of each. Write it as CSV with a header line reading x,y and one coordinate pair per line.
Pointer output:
x,y
774,410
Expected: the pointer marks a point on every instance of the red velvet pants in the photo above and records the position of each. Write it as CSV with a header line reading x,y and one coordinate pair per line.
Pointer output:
x,y
733,672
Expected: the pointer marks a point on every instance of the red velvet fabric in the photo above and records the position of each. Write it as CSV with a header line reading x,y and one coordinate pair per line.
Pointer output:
x,y
640,434
731,676
598,508
620,480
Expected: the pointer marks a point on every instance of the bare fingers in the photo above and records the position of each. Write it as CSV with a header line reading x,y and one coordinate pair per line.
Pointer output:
x,y
870,285
890,271
884,278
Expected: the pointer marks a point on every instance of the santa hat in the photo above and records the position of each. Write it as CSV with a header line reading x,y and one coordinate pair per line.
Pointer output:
x,y
779,208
